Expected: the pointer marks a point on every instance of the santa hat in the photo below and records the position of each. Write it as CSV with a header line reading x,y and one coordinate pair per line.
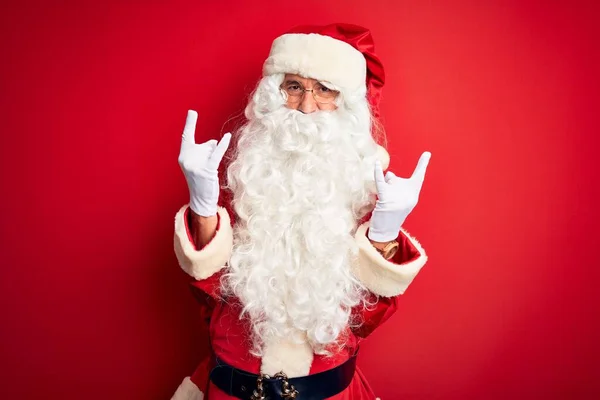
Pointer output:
x,y
342,54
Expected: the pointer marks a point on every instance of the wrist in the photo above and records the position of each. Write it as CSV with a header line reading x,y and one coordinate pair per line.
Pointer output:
x,y
387,249
200,219
203,208
202,228
380,245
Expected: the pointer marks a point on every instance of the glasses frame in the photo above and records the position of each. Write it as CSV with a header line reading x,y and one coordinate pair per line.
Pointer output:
x,y
286,95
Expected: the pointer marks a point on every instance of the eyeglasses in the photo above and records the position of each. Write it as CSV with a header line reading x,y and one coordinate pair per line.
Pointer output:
x,y
321,93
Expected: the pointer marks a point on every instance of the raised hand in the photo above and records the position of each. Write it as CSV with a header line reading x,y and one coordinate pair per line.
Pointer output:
x,y
200,163
397,197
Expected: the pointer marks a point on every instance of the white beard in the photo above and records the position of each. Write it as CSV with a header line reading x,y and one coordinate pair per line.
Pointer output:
x,y
300,183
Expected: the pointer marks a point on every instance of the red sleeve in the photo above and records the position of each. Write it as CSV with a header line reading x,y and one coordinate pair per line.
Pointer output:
x,y
375,315
371,317
206,291
407,252
187,218
201,375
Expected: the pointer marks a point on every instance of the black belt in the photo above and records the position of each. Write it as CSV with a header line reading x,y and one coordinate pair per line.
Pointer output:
x,y
243,385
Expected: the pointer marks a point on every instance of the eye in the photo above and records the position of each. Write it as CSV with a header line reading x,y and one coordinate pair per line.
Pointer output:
x,y
322,89
293,88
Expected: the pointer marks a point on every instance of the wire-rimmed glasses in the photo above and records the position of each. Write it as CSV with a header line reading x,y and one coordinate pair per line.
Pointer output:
x,y
294,93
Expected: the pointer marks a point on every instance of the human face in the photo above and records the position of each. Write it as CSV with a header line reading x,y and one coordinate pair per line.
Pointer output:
x,y
308,104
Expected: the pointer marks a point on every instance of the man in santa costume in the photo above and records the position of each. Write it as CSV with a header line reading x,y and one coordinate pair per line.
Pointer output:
x,y
306,255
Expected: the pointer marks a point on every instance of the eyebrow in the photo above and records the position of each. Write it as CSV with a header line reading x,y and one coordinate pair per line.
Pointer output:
x,y
292,81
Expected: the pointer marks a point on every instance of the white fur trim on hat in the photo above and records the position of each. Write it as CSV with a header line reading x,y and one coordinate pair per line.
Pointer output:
x,y
381,276
319,57
201,264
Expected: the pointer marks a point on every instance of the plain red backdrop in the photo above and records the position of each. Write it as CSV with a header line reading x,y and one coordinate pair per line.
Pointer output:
x,y
504,94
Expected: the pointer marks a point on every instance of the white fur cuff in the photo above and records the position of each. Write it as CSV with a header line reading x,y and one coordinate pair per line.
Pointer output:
x,y
205,262
319,57
188,391
381,276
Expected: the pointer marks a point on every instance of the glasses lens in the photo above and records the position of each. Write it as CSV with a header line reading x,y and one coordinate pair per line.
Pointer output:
x,y
294,92
324,95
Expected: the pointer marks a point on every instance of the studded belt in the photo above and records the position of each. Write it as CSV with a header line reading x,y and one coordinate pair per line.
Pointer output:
x,y
247,386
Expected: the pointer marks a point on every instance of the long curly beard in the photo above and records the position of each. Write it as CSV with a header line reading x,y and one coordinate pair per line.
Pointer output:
x,y
300,183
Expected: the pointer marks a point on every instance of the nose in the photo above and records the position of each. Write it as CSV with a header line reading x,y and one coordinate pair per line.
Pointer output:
x,y
308,104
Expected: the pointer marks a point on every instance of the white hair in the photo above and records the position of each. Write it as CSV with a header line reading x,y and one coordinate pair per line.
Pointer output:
x,y
300,183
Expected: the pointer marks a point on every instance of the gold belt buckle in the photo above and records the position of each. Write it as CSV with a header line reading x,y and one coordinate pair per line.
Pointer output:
x,y
259,393
288,392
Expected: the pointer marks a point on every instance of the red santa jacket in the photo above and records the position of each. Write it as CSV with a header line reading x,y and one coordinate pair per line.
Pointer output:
x,y
386,281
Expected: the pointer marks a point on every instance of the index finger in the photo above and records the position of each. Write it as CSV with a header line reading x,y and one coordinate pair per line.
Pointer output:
x,y
190,127
419,172
217,154
379,178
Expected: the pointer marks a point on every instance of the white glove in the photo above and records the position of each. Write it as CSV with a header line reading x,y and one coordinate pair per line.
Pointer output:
x,y
396,199
200,163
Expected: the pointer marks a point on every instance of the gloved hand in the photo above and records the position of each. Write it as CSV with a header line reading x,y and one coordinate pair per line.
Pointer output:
x,y
200,163
396,199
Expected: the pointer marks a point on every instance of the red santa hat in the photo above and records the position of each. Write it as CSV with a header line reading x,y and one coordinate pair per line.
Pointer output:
x,y
342,54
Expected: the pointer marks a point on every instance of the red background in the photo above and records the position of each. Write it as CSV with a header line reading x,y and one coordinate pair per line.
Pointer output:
x,y
504,95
